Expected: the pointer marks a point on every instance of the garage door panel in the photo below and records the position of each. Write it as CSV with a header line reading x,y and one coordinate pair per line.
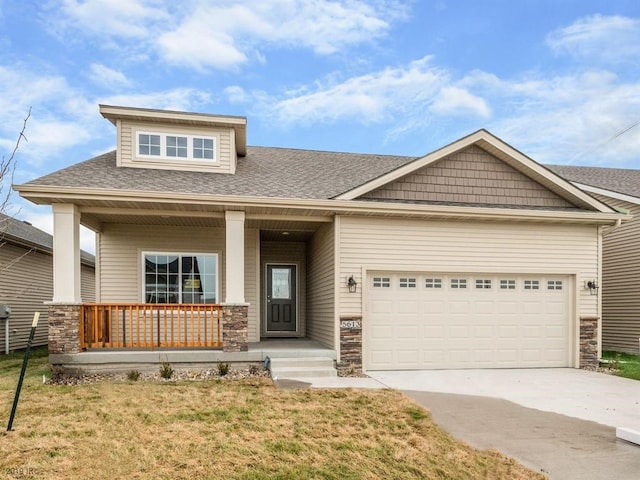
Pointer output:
x,y
509,327
410,332
408,307
380,306
507,307
533,308
382,333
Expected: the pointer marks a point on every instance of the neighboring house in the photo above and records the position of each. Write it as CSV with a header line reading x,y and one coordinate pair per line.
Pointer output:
x,y
471,256
619,188
26,280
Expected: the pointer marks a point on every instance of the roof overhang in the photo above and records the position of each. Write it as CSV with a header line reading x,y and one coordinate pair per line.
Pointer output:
x,y
608,193
499,149
190,204
238,124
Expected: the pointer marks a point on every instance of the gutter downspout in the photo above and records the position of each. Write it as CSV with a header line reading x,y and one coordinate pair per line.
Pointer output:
x,y
603,232
6,336
608,230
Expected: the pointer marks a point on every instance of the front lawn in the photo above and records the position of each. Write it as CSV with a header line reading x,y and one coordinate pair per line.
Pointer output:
x,y
231,429
625,364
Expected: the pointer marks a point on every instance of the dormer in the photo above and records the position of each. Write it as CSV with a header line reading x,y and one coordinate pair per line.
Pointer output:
x,y
170,140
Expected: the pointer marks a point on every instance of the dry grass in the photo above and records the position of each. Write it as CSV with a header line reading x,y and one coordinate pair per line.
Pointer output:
x,y
227,429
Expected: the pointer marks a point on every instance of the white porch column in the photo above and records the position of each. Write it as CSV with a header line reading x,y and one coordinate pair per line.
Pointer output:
x,y
234,255
66,254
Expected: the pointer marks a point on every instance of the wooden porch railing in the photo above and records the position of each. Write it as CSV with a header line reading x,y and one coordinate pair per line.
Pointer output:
x,y
145,325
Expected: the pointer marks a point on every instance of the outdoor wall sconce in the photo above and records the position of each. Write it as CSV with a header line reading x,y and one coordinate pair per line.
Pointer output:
x,y
593,287
352,284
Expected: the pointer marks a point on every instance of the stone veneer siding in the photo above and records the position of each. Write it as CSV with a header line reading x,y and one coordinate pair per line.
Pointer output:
x,y
589,341
350,345
64,329
235,328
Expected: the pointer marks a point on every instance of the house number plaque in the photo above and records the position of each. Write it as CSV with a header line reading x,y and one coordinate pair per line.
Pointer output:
x,y
350,324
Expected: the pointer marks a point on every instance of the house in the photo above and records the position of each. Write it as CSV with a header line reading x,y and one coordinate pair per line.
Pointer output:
x,y
26,281
619,188
471,256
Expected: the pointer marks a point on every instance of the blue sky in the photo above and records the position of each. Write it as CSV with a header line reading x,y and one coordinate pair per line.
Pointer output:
x,y
558,80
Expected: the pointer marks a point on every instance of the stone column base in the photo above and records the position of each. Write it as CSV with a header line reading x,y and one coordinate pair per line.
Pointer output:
x,y
235,327
64,328
350,345
589,341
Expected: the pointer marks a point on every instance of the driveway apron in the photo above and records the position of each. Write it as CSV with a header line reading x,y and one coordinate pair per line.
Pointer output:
x,y
518,412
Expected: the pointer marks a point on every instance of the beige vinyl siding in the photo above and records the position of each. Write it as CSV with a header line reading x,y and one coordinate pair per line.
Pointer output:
x,y
87,283
121,248
470,176
440,246
287,252
620,280
225,148
320,286
25,286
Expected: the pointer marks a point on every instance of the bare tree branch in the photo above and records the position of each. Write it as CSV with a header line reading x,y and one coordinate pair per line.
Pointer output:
x,y
8,167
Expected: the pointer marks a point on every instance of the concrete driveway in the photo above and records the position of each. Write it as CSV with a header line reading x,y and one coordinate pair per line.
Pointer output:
x,y
558,421
593,396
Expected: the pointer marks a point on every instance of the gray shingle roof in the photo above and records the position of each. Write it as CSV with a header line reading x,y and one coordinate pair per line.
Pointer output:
x,y
23,232
263,172
618,180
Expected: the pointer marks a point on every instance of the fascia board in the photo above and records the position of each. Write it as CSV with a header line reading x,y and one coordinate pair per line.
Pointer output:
x,y
43,193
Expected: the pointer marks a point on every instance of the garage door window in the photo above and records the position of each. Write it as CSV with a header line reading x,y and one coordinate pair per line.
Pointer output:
x,y
532,285
458,283
381,282
433,283
483,284
507,284
554,285
406,282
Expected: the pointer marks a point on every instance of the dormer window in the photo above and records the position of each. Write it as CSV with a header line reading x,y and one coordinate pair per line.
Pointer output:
x,y
149,144
188,147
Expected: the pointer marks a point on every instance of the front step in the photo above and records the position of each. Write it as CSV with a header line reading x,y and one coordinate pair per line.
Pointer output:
x,y
304,367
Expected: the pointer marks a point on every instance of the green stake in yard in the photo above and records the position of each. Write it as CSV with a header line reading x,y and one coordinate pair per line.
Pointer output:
x,y
36,316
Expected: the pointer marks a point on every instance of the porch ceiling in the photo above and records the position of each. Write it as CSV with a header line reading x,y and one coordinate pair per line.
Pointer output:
x,y
300,224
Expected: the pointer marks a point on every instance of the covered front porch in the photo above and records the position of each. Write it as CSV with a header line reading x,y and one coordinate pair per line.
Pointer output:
x,y
265,286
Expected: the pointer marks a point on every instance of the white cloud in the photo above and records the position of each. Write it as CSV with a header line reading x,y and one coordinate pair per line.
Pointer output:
x,y
184,99
226,34
454,101
236,94
124,18
60,117
565,119
107,77
610,39
371,98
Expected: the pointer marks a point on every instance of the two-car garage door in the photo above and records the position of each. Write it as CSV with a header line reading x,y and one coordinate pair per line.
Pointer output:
x,y
431,320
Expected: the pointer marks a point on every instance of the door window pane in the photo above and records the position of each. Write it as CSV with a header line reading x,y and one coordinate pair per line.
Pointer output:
x,y
281,283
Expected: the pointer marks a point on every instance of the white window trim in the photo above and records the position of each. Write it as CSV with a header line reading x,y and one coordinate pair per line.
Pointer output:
x,y
163,147
143,289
